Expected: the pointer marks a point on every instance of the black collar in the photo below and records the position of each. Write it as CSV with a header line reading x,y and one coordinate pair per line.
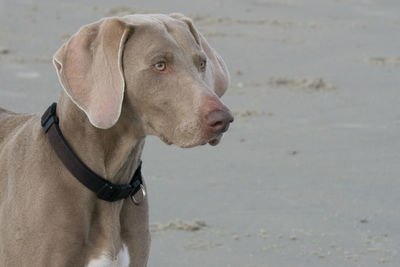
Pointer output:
x,y
101,187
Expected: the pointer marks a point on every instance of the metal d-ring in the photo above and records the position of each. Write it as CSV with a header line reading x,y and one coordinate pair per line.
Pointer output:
x,y
137,203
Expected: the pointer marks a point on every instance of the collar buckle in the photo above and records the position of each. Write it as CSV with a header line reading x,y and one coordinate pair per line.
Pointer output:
x,y
113,192
108,192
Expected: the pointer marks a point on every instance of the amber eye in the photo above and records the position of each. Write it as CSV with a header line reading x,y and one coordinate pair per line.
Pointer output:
x,y
160,66
203,64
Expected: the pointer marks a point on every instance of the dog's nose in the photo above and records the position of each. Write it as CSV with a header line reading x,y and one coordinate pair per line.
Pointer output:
x,y
219,120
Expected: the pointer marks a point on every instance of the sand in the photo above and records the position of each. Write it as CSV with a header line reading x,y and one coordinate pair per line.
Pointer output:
x,y
309,172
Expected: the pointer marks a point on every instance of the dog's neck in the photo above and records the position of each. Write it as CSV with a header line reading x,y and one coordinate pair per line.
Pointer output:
x,y
111,153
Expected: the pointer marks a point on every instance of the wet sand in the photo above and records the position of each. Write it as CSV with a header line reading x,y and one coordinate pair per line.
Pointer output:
x,y
309,172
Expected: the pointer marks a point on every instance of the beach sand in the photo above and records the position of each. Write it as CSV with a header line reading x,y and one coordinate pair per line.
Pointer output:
x,y
309,172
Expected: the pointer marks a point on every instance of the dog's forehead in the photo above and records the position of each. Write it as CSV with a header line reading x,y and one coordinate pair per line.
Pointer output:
x,y
170,30
152,19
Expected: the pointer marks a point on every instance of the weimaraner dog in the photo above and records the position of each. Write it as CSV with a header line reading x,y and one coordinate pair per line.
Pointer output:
x,y
123,78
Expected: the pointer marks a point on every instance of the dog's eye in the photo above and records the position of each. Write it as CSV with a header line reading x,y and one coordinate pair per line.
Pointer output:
x,y
160,66
203,64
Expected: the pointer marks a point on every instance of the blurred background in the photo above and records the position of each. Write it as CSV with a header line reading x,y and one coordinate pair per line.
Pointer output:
x,y
309,172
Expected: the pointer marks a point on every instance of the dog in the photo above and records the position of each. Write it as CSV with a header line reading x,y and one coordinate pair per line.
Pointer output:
x,y
123,78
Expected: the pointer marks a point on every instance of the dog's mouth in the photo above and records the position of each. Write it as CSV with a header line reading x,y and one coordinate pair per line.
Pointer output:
x,y
207,138
215,140
165,139
212,141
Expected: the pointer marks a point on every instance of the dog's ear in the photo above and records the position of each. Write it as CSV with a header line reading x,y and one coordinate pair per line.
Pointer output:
x,y
217,73
89,67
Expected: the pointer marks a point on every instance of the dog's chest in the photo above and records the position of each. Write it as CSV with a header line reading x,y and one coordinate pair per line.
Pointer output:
x,y
122,259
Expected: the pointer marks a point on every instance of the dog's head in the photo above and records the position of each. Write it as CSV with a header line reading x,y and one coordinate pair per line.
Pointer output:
x,y
157,68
